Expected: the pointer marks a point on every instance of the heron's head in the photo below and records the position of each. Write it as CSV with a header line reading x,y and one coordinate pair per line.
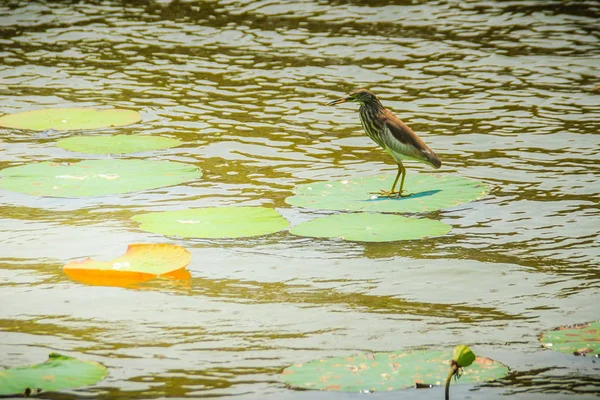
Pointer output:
x,y
362,96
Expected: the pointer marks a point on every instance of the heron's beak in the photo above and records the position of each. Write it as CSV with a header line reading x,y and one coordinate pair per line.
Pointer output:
x,y
338,101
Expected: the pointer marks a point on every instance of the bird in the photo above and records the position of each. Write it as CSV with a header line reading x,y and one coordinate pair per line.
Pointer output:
x,y
391,134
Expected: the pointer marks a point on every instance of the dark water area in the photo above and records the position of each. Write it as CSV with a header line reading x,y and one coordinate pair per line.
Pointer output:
x,y
502,91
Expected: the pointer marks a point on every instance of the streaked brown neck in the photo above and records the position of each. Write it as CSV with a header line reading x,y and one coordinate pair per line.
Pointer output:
x,y
373,106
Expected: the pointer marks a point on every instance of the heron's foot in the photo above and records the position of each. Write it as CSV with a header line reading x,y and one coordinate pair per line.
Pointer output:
x,y
391,195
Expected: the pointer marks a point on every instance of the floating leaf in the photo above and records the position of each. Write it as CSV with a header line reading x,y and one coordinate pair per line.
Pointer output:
x,y
65,119
94,177
367,227
429,192
58,373
140,263
118,144
386,371
214,222
578,339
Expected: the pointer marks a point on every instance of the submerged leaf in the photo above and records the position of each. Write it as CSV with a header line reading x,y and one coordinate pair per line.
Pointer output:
x,y
386,371
429,192
579,339
64,119
214,222
94,177
58,373
367,227
140,263
117,144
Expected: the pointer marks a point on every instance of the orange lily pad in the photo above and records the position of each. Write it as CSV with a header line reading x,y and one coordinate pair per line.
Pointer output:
x,y
140,263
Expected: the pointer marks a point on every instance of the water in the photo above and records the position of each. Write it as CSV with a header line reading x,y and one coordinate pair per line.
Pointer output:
x,y
502,91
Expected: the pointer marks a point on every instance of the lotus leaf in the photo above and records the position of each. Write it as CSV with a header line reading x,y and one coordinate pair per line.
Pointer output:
x,y
140,263
58,373
94,177
576,339
386,371
65,119
429,192
214,222
118,144
367,227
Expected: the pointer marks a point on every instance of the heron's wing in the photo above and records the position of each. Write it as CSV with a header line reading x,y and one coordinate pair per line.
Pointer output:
x,y
407,142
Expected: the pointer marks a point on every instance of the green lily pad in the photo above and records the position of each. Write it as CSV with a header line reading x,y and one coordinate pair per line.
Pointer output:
x,y
429,192
66,119
367,227
213,222
118,144
386,371
579,339
58,373
94,177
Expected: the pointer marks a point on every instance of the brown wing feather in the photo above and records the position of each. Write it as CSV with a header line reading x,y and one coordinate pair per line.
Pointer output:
x,y
411,144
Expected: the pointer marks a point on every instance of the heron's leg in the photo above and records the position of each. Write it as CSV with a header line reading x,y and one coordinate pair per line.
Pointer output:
x,y
400,167
402,182
392,193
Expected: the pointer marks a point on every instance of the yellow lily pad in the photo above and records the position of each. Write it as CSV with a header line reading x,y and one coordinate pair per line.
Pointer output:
x,y
140,263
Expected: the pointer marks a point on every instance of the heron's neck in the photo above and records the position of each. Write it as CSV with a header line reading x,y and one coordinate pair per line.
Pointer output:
x,y
372,107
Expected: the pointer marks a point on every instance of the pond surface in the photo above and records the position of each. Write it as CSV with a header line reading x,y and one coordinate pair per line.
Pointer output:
x,y
501,91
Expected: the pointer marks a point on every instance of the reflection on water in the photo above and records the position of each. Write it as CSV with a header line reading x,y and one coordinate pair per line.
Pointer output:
x,y
502,92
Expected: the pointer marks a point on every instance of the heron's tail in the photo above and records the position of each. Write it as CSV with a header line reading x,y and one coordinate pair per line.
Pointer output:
x,y
433,159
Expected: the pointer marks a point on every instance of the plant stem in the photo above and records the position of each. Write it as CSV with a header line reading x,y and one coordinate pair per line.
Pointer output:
x,y
453,371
